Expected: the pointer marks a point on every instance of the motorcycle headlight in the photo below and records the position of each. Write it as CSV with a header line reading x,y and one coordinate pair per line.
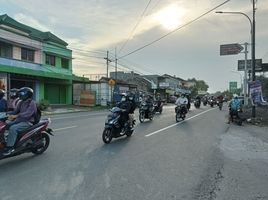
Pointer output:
x,y
112,121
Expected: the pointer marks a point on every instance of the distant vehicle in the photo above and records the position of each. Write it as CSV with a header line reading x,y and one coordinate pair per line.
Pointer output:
x,y
241,99
172,99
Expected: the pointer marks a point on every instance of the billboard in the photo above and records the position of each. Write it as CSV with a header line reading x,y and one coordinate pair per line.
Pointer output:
x,y
255,91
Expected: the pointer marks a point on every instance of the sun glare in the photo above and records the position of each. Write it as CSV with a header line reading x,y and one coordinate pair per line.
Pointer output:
x,y
170,17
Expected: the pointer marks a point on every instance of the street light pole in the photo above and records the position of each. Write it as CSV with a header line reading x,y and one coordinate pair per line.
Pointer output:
x,y
253,54
252,33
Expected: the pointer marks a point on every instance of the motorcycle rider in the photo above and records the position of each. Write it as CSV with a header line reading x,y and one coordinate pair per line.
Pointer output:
x,y
188,101
234,105
198,99
182,101
158,100
149,101
125,106
220,99
132,109
21,118
13,99
3,102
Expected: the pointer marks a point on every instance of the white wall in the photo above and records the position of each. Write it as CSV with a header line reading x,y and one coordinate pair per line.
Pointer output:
x,y
22,40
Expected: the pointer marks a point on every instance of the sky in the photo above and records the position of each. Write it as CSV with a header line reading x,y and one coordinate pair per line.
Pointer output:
x,y
93,27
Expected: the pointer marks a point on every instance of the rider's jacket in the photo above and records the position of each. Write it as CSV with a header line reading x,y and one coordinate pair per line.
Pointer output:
x,y
234,104
181,101
25,111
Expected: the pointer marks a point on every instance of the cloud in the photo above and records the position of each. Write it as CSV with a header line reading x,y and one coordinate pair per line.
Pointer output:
x,y
193,51
30,21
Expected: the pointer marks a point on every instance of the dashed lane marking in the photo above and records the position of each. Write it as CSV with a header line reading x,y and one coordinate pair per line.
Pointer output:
x,y
163,129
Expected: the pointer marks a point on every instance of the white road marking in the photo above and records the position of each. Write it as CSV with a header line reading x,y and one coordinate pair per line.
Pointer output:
x,y
163,129
59,129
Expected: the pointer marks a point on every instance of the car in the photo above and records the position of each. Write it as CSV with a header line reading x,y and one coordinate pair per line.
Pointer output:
x,y
241,99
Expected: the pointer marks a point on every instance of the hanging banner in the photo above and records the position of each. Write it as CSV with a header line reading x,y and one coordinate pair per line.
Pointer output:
x,y
255,90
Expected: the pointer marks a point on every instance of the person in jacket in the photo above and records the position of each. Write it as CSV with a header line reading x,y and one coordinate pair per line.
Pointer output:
x,y
13,99
125,106
234,106
21,118
3,102
133,106
182,101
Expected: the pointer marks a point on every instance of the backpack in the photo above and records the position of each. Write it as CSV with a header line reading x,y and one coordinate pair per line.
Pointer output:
x,y
37,115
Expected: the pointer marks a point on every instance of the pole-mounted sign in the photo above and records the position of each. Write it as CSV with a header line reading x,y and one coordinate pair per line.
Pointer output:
x,y
230,49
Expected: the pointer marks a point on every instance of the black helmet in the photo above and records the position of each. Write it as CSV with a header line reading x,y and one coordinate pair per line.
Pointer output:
x,y
13,93
131,96
25,93
2,93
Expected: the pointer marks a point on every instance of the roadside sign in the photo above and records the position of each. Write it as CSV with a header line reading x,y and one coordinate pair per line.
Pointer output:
x,y
264,67
255,90
258,65
111,82
230,49
233,86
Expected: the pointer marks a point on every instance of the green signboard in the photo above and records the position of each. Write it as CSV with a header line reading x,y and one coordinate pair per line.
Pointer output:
x,y
233,86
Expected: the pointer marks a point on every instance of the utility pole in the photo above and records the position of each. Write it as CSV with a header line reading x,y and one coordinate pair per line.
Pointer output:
x,y
107,63
253,53
246,74
115,65
116,69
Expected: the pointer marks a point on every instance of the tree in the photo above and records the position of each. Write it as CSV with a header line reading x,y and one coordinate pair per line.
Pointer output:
x,y
200,85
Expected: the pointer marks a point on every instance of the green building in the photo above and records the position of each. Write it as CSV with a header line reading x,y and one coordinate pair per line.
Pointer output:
x,y
36,59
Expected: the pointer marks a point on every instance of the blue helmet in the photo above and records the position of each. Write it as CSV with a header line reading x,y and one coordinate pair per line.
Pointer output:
x,y
25,93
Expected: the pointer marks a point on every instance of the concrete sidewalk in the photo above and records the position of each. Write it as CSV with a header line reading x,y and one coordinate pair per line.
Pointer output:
x,y
245,170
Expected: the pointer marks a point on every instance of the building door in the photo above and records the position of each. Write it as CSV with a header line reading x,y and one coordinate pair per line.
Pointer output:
x,y
55,94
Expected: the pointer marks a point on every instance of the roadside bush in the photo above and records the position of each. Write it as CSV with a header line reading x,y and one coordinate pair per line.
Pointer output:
x,y
43,104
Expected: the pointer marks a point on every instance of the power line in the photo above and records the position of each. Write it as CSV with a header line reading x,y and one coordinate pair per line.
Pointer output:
x,y
146,69
169,33
155,5
134,29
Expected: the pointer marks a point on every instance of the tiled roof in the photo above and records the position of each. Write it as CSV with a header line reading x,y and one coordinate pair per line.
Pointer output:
x,y
33,33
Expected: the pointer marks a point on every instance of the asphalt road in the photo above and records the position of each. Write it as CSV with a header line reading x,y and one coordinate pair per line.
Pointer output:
x,y
162,160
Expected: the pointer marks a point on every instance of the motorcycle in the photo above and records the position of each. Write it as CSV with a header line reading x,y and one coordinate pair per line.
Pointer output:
x,y
220,105
158,107
180,112
145,112
236,118
113,127
197,103
34,139
211,103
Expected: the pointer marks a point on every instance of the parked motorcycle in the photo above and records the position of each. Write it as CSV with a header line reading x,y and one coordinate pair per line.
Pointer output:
x,y
34,139
113,127
236,118
145,112
158,107
205,102
180,112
